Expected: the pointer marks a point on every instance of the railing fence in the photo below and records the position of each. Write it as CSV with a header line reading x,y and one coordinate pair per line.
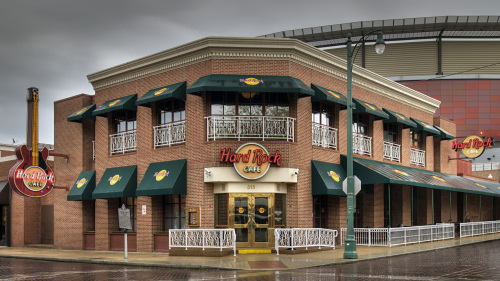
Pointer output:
x,y
304,238
202,238
392,151
123,142
417,157
169,134
324,136
362,144
479,228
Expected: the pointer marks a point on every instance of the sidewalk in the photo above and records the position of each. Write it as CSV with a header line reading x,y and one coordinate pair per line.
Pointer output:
x,y
240,262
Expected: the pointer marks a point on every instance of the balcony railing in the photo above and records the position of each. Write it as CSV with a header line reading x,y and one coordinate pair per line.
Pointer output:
x,y
202,238
250,127
123,142
361,144
324,136
169,134
392,151
417,157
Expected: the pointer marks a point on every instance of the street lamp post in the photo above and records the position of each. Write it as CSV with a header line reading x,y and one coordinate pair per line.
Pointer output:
x,y
350,241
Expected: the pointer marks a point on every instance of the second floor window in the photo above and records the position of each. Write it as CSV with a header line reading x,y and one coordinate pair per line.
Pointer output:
x,y
391,132
171,111
124,121
416,139
249,104
323,114
360,124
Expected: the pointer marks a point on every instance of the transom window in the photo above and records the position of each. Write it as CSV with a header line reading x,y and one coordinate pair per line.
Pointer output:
x,y
323,114
360,124
170,111
174,214
391,132
250,104
124,121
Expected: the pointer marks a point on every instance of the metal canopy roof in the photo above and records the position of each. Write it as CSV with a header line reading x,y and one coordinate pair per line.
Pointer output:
x,y
397,30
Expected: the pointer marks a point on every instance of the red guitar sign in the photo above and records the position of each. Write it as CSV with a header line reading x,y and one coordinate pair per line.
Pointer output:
x,y
31,176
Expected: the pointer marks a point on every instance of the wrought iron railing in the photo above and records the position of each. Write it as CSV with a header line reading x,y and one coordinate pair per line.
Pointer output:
x,y
361,144
392,151
123,142
479,228
400,235
202,238
250,127
324,136
169,134
303,237
417,157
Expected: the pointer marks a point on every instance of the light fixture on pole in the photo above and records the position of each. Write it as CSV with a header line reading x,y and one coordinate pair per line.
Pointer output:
x,y
350,241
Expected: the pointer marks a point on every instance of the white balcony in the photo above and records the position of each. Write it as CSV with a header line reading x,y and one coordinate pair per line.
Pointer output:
x,y
417,157
324,136
250,127
123,142
169,134
362,144
392,151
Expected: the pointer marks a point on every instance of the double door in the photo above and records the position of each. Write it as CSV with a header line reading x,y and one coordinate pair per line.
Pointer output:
x,y
252,217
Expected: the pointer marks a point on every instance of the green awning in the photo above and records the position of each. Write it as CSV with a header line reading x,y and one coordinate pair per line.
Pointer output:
x,y
83,187
327,178
493,187
423,126
364,107
125,103
444,134
117,182
374,172
395,117
249,83
82,113
177,90
164,178
324,94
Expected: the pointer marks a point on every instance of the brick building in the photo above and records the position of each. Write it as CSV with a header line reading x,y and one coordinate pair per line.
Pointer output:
x,y
160,132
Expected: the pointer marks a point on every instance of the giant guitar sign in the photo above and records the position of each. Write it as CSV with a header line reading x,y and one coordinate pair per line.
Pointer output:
x,y
31,176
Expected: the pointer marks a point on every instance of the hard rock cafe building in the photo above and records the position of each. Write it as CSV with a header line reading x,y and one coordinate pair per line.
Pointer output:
x,y
250,134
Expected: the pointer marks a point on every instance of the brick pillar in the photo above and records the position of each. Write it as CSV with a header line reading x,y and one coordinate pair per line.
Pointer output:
x,y
405,147
429,206
406,208
144,224
378,205
102,224
378,141
421,205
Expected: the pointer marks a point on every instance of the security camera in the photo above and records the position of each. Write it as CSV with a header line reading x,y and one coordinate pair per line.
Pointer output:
x,y
207,171
296,172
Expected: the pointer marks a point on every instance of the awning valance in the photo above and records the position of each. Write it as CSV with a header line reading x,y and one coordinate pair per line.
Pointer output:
x,y
177,90
82,113
123,103
327,178
249,83
324,94
373,172
364,107
424,126
83,187
164,178
4,192
117,182
395,117
444,134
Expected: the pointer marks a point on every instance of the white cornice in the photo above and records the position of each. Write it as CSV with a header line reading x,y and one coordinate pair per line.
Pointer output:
x,y
264,49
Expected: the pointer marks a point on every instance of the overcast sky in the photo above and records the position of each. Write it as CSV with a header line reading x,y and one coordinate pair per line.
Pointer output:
x,y
54,44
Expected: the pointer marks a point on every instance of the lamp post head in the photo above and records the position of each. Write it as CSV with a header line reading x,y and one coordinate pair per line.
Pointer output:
x,y
380,44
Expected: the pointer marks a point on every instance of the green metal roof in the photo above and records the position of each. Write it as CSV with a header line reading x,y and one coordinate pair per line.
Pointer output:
x,y
424,126
164,178
82,113
444,134
249,83
177,90
373,172
83,187
364,107
327,178
324,94
125,103
395,117
117,182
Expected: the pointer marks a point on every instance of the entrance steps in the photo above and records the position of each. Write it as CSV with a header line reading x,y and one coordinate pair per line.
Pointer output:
x,y
256,251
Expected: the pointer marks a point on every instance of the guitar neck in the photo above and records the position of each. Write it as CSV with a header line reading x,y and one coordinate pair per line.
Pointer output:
x,y
34,147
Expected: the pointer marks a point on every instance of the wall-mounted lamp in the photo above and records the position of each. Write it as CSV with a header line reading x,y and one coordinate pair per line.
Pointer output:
x,y
207,172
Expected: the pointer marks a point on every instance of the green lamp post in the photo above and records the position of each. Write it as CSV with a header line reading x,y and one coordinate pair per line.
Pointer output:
x,y
350,241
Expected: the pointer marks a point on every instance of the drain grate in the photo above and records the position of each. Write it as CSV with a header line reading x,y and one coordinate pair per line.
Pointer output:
x,y
266,264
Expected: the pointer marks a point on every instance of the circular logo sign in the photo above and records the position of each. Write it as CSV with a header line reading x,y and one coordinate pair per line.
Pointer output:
x,y
262,210
241,210
401,172
113,103
35,179
480,185
81,110
438,178
334,176
251,81
253,161
470,150
400,116
160,91
160,175
333,94
114,179
370,106
81,183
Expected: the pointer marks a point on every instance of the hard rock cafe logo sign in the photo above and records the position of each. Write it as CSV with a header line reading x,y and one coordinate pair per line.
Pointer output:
x,y
251,161
161,174
262,210
438,178
241,210
334,94
81,110
400,172
400,116
334,176
160,91
113,180
113,103
251,81
370,106
81,182
472,146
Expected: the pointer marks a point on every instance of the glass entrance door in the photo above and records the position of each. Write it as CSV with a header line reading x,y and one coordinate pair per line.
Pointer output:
x,y
252,216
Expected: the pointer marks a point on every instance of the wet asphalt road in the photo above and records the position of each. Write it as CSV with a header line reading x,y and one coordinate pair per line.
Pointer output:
x,y
472,262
